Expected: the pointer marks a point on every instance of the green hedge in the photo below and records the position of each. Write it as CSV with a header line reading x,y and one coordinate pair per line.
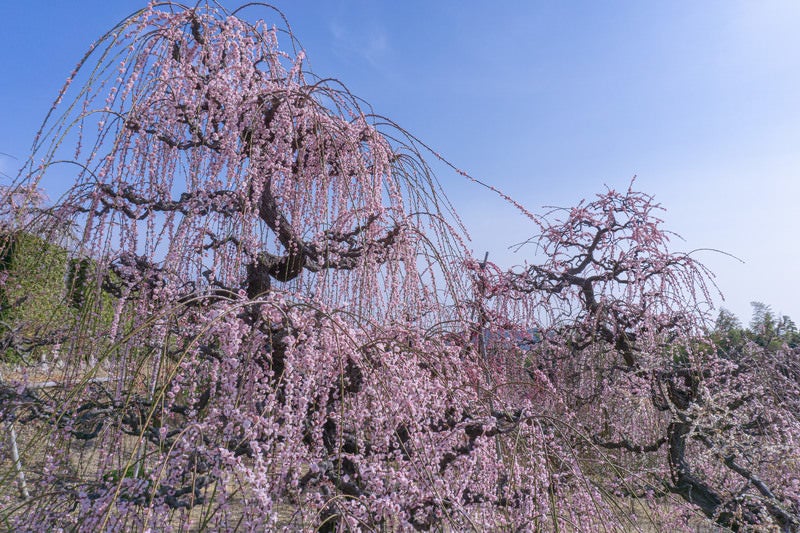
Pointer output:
x,y
44,292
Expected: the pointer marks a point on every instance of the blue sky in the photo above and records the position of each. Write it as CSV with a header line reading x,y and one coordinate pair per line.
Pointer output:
x,y
549,101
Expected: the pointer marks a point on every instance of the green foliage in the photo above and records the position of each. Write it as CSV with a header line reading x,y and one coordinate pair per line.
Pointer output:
x,y
34,285
770,331
728,335
43,291
765,330
130,471
77,282
787,330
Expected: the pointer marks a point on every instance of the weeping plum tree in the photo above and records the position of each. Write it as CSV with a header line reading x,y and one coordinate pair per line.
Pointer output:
x,y
270,331
624,343
278,326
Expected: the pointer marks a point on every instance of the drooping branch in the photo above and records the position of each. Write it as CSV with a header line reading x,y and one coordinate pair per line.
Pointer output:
x,y
628,446
200,203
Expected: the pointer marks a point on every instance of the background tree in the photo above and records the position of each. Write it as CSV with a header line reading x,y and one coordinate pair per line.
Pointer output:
x,y
728,335
769,331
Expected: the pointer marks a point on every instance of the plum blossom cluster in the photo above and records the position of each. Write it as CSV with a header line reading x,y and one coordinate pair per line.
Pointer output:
x,y
282,413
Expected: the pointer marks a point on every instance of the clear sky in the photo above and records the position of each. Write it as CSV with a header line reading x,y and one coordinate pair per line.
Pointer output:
x,y
548,100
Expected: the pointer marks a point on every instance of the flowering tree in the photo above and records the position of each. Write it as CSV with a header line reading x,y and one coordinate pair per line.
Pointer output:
x,y
270,325
624,341
264,325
